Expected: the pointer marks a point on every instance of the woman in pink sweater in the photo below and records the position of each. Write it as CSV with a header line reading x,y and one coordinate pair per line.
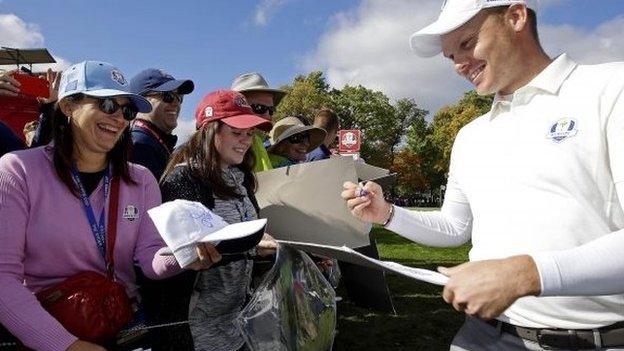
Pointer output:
x,y
46,231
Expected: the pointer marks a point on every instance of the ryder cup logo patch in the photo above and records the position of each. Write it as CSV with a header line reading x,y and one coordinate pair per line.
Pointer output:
x,y
208,111
562,129
118,77
131,213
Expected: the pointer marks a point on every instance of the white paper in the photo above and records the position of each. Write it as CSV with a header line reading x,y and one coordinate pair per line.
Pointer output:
x,y
303,203
349,255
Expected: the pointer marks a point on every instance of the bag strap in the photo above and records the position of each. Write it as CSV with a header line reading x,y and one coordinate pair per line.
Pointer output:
x,y
113,206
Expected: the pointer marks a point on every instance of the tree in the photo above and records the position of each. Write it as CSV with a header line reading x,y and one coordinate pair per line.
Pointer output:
x,y
383,124
306,95
449,120
410,176
419,142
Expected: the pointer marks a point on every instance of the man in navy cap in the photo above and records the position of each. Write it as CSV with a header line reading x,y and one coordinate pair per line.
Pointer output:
x,y
152,140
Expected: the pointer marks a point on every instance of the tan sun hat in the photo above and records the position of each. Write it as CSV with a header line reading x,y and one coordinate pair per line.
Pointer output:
x,y
289,126
254,81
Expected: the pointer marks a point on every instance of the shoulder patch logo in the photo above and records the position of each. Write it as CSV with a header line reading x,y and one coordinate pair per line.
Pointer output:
x,y
131,213
563,129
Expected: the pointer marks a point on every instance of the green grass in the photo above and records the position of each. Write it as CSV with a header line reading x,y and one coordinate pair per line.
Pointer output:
x,y
423,320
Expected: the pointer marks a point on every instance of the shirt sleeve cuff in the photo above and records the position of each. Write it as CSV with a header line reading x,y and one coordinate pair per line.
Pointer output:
x,y
395,222
549,273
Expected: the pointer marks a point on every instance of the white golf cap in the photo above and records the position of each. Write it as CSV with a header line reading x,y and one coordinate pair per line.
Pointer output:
x,y
427,41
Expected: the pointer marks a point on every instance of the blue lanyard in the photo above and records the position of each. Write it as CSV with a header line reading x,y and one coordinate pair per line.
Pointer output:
x,y
98,229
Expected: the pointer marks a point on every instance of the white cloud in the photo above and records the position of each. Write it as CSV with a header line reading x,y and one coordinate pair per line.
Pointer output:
x,y
60,65
369,46
266,10
15,33
603,44
184,130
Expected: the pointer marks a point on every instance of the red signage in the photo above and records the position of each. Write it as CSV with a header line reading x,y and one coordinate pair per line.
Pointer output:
x,y
16,111
349,141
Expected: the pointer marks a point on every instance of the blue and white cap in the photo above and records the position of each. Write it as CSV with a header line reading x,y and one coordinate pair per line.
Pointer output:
x,y
99,79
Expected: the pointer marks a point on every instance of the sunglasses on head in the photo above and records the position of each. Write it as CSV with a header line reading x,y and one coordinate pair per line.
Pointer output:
x,y
109,106
169,96
261,109
298,138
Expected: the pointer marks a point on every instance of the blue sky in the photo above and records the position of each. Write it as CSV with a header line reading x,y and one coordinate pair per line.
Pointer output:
x,y
356,42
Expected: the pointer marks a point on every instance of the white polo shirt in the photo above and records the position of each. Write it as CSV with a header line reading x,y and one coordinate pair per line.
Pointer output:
x,y
535,174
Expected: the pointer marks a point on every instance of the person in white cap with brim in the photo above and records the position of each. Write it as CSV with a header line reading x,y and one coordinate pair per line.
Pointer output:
x,y
537,184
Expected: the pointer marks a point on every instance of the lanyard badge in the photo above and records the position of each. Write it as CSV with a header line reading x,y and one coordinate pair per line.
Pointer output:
x,y
98,228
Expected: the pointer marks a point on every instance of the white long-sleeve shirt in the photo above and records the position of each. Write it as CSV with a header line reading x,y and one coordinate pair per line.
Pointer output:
x,y
540,175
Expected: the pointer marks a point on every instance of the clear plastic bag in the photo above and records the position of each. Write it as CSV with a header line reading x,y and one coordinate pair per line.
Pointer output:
x,y
294,307
333,273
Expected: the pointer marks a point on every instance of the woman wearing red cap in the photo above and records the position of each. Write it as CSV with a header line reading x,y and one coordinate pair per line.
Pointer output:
x,y
215,168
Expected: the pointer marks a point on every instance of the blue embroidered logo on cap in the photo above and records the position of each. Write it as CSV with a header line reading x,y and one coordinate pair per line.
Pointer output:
x,y
118,77
563,129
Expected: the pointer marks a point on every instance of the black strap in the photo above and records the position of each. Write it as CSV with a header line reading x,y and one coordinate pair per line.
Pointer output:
x,y
608,336
147,128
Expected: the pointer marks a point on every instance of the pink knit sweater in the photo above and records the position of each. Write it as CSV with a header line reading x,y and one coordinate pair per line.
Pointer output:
x,y
45,238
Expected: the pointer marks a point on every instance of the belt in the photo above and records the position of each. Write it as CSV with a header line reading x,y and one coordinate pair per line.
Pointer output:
x,y
571,339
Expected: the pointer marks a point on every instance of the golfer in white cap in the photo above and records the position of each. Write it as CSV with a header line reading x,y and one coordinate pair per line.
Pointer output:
x,y
536,183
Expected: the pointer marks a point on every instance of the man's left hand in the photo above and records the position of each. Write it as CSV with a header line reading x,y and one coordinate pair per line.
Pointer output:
x,y
485,289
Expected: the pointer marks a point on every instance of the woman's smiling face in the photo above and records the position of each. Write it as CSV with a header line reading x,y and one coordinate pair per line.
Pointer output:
x,y
232,144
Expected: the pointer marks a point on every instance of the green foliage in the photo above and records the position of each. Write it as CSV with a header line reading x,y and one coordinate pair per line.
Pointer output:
x,y
305,96
371,112
389,126
382,123
449,120
410,176
433,142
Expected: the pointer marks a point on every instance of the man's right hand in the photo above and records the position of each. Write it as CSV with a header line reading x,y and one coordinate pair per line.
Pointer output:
x,y
367,202
80,345
9,86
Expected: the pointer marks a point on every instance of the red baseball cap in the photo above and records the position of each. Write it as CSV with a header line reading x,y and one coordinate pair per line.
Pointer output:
x,y
231,108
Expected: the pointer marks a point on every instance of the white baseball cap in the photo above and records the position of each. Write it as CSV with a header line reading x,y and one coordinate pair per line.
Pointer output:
x,y
427,42
183,224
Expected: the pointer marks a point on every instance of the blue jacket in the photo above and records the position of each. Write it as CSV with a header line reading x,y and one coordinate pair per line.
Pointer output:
x,y
148,151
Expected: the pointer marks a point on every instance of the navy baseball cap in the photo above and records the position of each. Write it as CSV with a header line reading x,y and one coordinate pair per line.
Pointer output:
x,y
153,79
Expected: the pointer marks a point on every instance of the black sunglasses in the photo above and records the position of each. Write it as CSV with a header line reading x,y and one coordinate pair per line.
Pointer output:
x,y
169,96
109,106
298,138
261,109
